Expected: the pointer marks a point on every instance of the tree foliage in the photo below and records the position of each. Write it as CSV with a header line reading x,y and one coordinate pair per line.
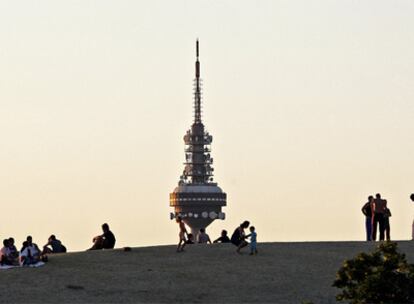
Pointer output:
x,y
383,276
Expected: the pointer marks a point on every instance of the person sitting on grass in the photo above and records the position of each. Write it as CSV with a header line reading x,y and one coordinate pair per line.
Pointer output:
x,y
253,240
190,239
223,238
238,236
29,255
181,234
13,252
105,240
55,246
34,249
203,237
5,253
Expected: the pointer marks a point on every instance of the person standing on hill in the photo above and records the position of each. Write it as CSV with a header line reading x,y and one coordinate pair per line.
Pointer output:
x,y
387,226
412,228
253,240
183,232
104,241
379,208
367,211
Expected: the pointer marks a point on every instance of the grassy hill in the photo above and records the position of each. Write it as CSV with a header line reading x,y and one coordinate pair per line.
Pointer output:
x,y
281,273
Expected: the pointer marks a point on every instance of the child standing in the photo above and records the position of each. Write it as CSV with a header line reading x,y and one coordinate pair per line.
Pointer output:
x,y
181,235
253,240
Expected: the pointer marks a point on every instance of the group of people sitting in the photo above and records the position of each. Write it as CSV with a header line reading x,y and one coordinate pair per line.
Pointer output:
x,y
30,253
238,237
204,238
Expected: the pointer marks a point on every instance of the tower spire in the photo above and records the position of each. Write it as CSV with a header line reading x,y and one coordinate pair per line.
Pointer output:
x,y
197,89
197,200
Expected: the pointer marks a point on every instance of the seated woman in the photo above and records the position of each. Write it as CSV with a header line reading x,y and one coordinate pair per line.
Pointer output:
x,y
29,254
5,254
53,246
13,252
104,241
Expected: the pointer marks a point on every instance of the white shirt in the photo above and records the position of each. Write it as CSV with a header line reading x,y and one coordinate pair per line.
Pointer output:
x,y
33,251
203,238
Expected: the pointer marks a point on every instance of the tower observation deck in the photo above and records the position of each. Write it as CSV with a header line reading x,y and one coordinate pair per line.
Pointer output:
x,y
197,199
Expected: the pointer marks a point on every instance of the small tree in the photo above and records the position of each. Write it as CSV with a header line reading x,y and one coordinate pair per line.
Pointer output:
x,y
383,276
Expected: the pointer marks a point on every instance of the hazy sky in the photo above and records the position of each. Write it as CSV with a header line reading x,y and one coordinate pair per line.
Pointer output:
x,y
311,105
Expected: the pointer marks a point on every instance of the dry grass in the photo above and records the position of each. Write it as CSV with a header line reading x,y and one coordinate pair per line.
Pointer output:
x,y
281,273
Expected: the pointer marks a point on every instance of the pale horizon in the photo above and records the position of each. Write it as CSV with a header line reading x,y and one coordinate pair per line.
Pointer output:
x,y
310,106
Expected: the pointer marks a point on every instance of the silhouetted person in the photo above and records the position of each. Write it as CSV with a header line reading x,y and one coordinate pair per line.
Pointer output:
x,y
203,237
105,240
387,215
379,207
190,239
238,236
223,238
181,234
367,211
30,253
14,253
33,248
412,228
53,246
253,240
5,253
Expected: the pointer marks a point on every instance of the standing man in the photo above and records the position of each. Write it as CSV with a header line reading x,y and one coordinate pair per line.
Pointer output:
x,y
412,233
379,208
367,211
387,226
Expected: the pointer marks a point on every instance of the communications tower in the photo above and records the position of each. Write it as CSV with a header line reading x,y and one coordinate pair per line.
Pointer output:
x,y
197,199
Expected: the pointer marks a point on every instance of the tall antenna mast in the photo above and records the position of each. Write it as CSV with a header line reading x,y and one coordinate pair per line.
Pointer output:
x,y
197,90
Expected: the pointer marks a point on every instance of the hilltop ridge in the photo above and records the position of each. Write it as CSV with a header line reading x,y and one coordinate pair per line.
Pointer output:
x,y
280,273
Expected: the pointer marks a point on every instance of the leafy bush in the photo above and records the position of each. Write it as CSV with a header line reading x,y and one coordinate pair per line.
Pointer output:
x,y
383,276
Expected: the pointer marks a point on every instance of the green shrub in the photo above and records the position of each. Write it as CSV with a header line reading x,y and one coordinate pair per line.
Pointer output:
x,y
383,276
